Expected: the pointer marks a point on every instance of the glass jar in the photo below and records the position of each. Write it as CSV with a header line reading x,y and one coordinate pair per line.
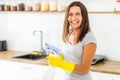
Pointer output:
x,y
21,5
29,5
7,5
37,5
13,5
61,6
53,5
45,5
117,6
2,5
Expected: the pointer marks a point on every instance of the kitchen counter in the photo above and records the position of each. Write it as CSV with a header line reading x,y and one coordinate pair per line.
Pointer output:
x,y
112,67
8,55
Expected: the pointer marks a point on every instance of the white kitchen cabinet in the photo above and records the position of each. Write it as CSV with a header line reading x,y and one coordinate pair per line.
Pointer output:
x,y
104,76
10,70
20,71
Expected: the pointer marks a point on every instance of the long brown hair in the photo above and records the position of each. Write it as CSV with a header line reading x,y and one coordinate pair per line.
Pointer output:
x,y
84,27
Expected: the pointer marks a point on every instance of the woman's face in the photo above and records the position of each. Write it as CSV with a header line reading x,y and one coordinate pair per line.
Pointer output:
x,y
75,17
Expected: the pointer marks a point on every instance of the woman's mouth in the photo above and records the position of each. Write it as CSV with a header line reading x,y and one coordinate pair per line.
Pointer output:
x,y
74,22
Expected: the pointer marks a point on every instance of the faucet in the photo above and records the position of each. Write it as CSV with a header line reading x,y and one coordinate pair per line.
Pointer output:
x,y
41,41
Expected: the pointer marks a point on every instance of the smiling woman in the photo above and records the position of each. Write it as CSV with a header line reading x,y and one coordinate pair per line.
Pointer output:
x,y
79,44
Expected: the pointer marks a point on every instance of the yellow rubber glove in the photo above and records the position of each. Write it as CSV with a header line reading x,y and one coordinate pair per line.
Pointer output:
x,y
59,62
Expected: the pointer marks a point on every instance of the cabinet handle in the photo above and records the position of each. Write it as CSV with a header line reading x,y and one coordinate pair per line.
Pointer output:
x,y
28,68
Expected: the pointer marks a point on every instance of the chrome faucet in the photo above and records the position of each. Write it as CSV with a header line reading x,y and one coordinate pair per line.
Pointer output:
x,y
41,41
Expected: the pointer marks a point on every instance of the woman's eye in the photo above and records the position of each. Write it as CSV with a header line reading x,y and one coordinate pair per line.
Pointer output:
x,y
78,14
70,14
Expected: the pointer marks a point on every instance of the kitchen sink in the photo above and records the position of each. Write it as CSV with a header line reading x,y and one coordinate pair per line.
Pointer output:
x,y
30,56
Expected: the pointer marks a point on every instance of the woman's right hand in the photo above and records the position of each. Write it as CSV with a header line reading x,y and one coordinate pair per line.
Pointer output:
x,y
50,48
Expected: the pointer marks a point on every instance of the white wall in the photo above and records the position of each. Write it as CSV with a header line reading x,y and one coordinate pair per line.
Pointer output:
x,y
106,30
20,27
17,28
96,5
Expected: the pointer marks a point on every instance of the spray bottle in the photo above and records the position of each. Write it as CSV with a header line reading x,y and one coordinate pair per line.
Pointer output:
x,y
51,51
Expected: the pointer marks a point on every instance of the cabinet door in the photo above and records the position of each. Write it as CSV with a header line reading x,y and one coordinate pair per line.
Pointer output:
x,y
21,71
104,76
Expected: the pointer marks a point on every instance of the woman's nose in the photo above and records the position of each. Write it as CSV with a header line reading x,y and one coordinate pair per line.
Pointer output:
x,y
73,17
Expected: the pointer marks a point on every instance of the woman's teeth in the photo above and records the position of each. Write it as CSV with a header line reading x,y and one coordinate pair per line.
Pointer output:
x,y
75,22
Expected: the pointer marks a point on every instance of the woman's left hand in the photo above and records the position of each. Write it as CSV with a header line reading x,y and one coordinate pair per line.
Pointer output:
x,y
59,62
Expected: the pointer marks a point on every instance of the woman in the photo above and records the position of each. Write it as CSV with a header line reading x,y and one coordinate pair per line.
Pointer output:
x,y
79,44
